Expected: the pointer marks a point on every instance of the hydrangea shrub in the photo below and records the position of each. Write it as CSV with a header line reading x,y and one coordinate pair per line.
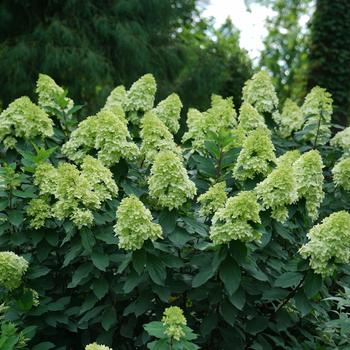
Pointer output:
x,y
113,235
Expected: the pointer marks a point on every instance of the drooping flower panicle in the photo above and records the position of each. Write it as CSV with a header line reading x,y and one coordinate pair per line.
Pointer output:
x,y
233,222
134,224
12,270
169,183
329,243
174,321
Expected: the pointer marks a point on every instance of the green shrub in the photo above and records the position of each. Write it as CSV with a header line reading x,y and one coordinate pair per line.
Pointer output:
x,y
239,233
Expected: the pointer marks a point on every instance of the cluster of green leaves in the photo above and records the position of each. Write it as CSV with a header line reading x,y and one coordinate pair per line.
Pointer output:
x,y
257,294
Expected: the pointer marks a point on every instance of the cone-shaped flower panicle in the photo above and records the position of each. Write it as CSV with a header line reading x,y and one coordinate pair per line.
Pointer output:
x,y
169,183
278,190
106,133
341,174
50,95
212,200
256,157
174,321
329,243
95,346
290,157
140,97
342,140
317,110
12,269
260,93
134,224
250,119
23,119
309,177
220,117
155,137
233,222
291,119
116,99
70,193
168,111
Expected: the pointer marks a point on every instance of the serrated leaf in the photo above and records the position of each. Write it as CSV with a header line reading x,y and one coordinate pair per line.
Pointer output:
x,y
156,270
202,277
230,275
288,279
100,260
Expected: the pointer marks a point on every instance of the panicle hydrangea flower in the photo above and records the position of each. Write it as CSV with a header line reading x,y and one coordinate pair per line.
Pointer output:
x,y
291,119
174,322
116,99
24,119
12,269
140,97
134,224
168,111
233,222
155,137
169,183
341,173
212,200
250,119
260,93
278,190
317,110
256,157
50,94
107,133
73,193
342,140
309,176
329,244
221,116
95,346
290,157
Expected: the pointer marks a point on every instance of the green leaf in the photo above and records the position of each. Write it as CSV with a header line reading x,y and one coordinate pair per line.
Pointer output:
x,y
288,279
160,344
15,217
209,324
167,219
238,251
202,277
313,284
155,329
109,318
132,281
238,299
100,287
156,270
80,273
87,239
302,303
228,312
180,237
139,260
100,260
257,324
44,346
230,275
36,271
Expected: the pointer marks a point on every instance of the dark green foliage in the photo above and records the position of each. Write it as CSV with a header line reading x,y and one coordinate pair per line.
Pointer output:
x,y
330,54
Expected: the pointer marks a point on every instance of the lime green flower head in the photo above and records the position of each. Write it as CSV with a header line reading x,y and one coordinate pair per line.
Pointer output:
x,y
250,119
290,157
95,346
169,183
155,137
329,243
12,269
23,119
260,93
212,200
291,119
116,99
309,176
342,140
140,97
50,95
233,222
341,173
256,157
220,117
107,133
71,193
278,190
317,110
168,111
174,322
134,224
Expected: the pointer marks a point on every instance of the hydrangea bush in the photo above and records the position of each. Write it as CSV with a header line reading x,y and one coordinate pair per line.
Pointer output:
x,y
113,235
